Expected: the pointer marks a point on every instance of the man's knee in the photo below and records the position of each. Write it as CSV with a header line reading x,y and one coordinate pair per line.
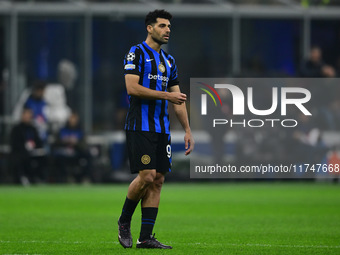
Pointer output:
x,y
159,180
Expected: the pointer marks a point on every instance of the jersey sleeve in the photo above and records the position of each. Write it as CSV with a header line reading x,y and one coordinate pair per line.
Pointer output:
x,y
173,74
133,61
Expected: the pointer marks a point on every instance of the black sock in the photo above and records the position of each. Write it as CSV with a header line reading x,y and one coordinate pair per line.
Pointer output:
x,y
128,210
149,215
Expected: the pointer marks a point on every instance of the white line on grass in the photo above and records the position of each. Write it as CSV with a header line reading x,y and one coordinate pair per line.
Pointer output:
x,y
205,244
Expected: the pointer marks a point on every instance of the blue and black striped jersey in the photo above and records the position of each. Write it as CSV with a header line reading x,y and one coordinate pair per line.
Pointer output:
x,y
156,71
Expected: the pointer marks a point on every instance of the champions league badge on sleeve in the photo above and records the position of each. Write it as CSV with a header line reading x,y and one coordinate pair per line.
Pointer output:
x,y
130,56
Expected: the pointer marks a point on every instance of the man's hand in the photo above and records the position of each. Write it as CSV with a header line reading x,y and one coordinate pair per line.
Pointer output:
x,y
189,143
328,71
177,97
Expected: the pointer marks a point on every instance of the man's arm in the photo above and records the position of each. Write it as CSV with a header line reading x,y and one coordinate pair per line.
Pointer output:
x,y
182,116
137,90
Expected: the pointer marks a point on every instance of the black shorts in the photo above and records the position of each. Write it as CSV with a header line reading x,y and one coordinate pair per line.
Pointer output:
x,y
149,150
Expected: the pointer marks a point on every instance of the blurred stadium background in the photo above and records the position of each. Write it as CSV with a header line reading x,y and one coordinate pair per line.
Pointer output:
x,y
81,44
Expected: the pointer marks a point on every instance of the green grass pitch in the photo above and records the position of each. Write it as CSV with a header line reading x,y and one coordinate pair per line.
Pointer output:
x,y
213,218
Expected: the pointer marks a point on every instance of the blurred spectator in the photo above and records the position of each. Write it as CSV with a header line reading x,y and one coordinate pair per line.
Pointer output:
x,y
315,67
73,158
55,110
67,76
58,111
38,105
27,153
305,145
67,73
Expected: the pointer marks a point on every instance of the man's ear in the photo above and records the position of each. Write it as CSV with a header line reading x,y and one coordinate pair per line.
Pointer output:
x,y
149,28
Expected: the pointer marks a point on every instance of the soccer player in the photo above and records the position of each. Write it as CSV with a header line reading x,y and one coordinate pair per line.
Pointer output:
x,y
151,82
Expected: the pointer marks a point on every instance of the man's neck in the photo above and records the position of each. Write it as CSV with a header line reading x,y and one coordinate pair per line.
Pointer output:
x,y
152,44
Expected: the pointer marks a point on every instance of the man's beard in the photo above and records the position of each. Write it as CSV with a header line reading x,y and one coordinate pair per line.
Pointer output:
x,y
158,41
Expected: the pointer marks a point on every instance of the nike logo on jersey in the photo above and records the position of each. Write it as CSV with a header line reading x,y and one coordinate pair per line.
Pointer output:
x,y
148,60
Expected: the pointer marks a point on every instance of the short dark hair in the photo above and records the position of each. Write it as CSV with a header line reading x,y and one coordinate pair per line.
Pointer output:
x,y
151,18
39,85
315,46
